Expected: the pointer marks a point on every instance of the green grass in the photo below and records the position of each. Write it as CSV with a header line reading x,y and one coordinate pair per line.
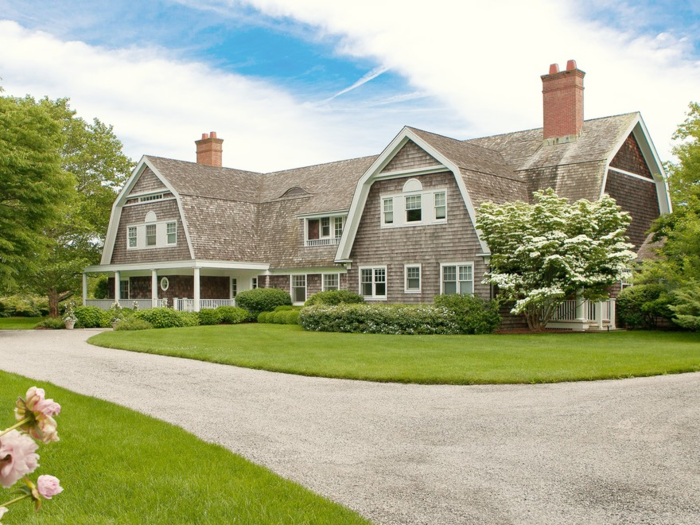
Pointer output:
x,y
119,466
476,359
18,323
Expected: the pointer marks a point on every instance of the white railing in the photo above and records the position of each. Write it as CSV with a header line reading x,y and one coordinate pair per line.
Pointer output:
x,y
565,311
323,242
215,303
185,305
592,311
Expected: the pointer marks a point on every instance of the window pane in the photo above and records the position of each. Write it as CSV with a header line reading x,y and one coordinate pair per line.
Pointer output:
x,y
313,230
132,237
330,281
380,275
254,283
172,233
465,273
450,287
449,273
123,289
413,208
299,288
380,289
338,227
440,206
388,211
466,287
234,287
326,227
150,235
413,278
367,289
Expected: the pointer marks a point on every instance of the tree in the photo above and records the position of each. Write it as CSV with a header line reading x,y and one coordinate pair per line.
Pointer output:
x,y
684,177
545,252
33,187
92,154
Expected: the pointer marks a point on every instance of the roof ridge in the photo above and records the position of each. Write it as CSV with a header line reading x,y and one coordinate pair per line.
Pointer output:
x,y
319,164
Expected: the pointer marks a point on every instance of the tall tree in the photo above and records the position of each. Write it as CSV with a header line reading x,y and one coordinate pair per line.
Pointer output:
x,y
684,176
93,155
548,251
33,187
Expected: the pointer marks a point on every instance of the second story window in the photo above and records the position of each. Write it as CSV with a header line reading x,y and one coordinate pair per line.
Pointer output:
x,y
440,206
324,231
413,208
133,237
338,227
388,205
150,235
172,232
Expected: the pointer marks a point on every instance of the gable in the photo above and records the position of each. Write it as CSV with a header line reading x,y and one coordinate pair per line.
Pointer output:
x,y
410,157
630,158
147,182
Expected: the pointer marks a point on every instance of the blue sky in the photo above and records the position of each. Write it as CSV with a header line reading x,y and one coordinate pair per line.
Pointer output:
x,y
294,82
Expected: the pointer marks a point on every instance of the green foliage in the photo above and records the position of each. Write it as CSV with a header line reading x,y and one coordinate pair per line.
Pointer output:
x,y
379,319
684,177
641,306
232,314
102,287
55,323
473,314
284,308
132,323
23,306
92,317
544,252
333,297
687,307
161,317
262,300
188,318
209,316
279,316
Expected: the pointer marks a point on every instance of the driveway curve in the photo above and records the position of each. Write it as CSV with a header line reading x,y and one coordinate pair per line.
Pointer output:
x,y
600,452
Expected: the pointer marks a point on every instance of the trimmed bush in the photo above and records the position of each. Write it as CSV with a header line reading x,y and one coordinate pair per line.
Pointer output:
x,y
285,308
55,323
92,317
189,318
160,317
132,323
232,314
262,300
24,306
473,314
379,319
642,305
333,297
279,317
209,316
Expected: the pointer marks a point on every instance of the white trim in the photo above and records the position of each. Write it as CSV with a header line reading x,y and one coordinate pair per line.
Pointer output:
x,y
427,208
230,287
323,280
320,215
161,234
309,270
291,288
630,174
374,283
374,172
189,263
406,267
254,283
167,283
456,265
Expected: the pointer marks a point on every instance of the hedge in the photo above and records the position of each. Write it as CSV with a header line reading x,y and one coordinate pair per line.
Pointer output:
x,y
161,317
334,297
473,314
232,314
642,305
209,316
92,317
132,323
262,300
279,317
379,319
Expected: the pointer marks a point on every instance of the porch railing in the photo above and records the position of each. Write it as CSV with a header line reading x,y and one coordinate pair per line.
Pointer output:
x,y
185,305
595,311
333,241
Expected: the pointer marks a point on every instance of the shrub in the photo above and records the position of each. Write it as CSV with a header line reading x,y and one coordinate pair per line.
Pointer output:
x,y
687,307
279,317
133,323
55,323
24,306
333,297
160,317
284,308
189,318
473,314
379,319
209,316
232,314
641,306
101,290
262,300
92,317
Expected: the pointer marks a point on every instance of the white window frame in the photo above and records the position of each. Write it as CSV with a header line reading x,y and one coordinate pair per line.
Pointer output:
x,y
338,227
161,227
168,234
414,198
457,279
400,209
253,283
154,236
436,206
164,284
406,268
331,238
129,237
292,287
325,288
128,288
233,288
385,201
374,296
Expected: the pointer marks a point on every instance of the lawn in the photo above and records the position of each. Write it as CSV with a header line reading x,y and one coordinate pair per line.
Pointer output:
x,y
18,323
429,359
119,466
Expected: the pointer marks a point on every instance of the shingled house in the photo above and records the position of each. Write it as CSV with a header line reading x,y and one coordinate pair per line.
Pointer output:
x,y
396,227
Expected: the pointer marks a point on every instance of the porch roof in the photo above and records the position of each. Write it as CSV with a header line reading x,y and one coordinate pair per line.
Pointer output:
x,y
189,263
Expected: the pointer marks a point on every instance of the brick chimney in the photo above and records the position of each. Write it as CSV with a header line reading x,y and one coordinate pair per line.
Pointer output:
x,y
209,149
562,93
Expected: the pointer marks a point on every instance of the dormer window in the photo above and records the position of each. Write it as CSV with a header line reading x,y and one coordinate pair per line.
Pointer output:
x,y
414,206
151,233
324,231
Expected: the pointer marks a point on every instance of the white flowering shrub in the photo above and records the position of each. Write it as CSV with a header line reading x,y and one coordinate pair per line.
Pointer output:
x,y
545,252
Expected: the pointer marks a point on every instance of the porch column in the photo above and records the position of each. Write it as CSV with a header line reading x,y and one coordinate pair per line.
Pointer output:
x,y
117,287
580,308
613,313
154,288
196,289
85,289
599,314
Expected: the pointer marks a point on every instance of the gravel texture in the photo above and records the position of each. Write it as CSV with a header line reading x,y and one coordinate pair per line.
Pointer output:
x,y
592,452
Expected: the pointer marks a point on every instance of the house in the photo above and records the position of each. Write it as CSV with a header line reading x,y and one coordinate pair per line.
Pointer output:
x,y
395,227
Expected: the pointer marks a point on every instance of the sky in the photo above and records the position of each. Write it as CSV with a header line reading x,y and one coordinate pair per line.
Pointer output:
x,y
289,83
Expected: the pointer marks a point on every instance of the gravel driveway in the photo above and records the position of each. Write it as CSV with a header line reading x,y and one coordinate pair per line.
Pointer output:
x,y
601,452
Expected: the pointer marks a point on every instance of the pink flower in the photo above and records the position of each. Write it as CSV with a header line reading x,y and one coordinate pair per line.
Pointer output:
x,y
36,414
48,486
3,510
48,407
34,395
17,457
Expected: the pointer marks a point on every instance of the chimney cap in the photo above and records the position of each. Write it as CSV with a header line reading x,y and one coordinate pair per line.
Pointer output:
x,y
205,136
212,134
553,69
571,65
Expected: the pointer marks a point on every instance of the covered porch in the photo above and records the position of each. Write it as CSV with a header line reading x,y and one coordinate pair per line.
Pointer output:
x,y
581,315
183,285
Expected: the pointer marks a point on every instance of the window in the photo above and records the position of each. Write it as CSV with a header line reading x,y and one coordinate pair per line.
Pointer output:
x,y
164,284
388,211
326,227
331,281
298,288
458,278
253,283
412,276
440,206
373,282
234,288
150,235
124,289
148,198
338,227
133,236
413,208
172,232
